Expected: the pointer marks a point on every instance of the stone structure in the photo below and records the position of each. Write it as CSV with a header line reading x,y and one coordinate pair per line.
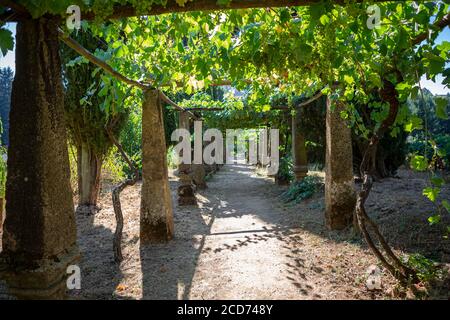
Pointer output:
x,y
156,200
340,195
39,236
198,175
299,153
186,194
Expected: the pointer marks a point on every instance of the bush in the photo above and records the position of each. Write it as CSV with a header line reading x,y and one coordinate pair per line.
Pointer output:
x,y
426,268
302,190
285,170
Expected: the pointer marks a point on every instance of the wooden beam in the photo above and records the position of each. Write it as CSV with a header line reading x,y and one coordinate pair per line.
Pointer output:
x,y
303,104
172,6
440,24
167,100
17,9
126,11
204,109
71,43
311,100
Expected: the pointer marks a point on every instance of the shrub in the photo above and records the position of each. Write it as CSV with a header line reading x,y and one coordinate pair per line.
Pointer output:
x,y
302,190
285,170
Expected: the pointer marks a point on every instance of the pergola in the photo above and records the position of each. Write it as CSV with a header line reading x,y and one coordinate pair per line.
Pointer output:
x,y
39,238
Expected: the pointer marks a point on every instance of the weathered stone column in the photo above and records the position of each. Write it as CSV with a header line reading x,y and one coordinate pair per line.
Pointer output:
x,y
39,238
156,199
198,176
340,195
186,194
299,153
198,173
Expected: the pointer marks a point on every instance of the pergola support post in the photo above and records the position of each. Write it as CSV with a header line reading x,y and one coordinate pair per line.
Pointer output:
x,y
156,223
186,194
299,152
39,236
340,194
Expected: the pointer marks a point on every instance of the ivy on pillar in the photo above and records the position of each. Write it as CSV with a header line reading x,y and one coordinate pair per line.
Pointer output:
x,y
186,194
340,195
39,236
299,152
156,223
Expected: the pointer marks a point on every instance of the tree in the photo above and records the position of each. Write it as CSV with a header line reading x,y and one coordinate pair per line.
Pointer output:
x,y
88,115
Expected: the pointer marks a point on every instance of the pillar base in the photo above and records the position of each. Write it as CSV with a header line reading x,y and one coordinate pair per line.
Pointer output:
x,y
186,196
300,172
46,281
186,192
340,200
157,232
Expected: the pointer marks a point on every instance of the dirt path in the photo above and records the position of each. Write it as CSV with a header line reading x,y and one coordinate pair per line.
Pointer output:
x,y
240,242
243,242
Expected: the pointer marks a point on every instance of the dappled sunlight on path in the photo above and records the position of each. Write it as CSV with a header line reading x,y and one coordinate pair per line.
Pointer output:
x,y
240,242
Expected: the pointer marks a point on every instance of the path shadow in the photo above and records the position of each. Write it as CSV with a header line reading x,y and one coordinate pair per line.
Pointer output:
x,y
99,272
168,269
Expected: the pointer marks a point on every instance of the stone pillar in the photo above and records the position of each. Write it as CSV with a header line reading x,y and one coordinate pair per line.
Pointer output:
x,y
186,194
39,236
299,153
198,173
198,176
156,200
340,195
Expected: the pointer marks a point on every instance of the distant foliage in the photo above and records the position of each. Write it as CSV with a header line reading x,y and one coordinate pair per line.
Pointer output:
x,y
6,79
432,115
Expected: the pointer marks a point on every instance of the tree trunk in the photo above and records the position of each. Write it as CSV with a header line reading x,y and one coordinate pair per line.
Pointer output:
x,y
39,237
89,174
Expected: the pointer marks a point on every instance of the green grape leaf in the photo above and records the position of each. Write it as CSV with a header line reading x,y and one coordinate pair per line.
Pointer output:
x,y
6,41
419,163
434,219
431,193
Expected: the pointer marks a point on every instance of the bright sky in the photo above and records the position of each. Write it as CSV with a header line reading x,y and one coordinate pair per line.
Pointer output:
x,y
435,87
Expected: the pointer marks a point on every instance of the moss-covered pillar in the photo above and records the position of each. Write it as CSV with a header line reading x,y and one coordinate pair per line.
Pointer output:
x,y
156,201
340,195
186,194
39,236
299,153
